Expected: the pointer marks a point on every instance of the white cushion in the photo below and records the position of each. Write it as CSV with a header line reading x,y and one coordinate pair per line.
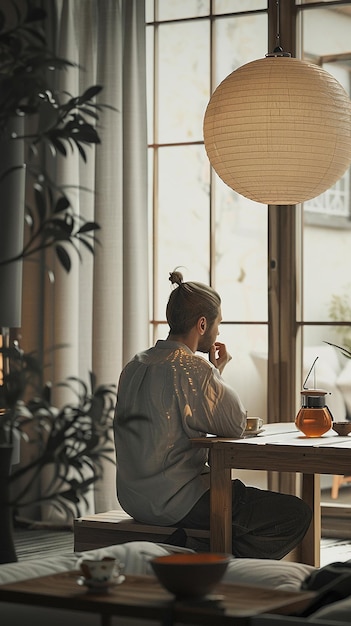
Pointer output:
x,y
136,557
22,570
284,575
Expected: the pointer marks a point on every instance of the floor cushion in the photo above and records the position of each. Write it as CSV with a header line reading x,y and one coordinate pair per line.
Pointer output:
x,y
136,556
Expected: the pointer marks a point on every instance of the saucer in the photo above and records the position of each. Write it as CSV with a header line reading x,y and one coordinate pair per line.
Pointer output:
x,y
100,587
252,433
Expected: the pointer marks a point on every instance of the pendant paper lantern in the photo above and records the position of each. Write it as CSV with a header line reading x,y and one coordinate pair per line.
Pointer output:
x,y
278,130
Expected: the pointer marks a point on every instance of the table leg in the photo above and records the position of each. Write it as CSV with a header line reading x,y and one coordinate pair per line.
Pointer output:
x,y
310,547
105,620
221,504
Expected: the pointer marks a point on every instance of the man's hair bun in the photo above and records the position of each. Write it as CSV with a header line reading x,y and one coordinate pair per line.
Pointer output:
x,y
176,278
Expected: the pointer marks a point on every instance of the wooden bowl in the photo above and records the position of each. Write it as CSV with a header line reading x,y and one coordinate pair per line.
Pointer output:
x,y
190,575
342,428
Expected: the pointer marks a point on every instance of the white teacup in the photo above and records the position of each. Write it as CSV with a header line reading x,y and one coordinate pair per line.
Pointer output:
x,y
253,424
100,570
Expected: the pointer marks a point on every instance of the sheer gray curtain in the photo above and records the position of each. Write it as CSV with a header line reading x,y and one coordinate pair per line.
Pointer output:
x,y
99,311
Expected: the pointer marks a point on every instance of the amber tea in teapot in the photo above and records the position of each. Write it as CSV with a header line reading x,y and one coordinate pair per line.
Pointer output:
x,y
314,418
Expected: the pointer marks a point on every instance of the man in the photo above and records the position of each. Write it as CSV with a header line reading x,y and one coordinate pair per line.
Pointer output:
x,y
169,394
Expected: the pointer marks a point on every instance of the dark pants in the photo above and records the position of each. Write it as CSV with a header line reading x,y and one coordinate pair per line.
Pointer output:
x,y
265,524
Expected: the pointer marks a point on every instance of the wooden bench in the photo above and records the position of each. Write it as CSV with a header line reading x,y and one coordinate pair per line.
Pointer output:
x,y
114,527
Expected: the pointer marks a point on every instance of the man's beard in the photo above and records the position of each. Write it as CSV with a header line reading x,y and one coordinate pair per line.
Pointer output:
x,y
205,343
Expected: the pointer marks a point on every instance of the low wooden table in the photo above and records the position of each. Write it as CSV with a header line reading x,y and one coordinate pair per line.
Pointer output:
x,y
144,598
279,447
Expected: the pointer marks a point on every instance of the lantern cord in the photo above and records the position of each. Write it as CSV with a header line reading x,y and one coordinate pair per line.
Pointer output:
x,y
278,50
277,37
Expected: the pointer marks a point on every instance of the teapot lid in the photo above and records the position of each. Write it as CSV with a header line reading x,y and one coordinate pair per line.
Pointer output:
x,y
314,392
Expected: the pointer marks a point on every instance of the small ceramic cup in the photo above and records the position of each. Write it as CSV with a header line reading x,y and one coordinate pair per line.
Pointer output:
x,y
99,570
253,424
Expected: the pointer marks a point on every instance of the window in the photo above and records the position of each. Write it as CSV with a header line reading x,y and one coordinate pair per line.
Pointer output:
x,y
199,224
215,235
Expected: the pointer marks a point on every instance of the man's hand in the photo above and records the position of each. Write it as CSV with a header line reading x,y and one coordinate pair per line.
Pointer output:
x,y
219,356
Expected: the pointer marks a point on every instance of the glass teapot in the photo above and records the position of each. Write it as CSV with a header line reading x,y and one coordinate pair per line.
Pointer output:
x,y
314,418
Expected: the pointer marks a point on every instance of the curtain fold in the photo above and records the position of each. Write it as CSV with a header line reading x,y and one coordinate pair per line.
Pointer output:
x,y
99,311
135,223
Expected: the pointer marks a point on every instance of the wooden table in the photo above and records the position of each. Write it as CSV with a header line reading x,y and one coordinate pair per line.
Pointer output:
x,y
144,598
282,448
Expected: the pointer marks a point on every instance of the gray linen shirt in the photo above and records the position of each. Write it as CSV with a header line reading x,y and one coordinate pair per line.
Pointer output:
x,y
166,395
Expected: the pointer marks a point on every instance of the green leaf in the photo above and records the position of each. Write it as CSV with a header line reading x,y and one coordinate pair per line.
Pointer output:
x,y
11,169
87,245
53,233
87,227
57,143
62,204
90,93
63,257
40,201
82,152
344,351
86,133
89,112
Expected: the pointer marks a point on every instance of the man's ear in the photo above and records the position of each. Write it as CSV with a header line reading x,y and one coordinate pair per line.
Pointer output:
x,y
202,325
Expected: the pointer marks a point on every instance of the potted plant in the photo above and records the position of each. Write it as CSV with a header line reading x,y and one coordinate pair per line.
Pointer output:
x,y
74,439
71,442
58,122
